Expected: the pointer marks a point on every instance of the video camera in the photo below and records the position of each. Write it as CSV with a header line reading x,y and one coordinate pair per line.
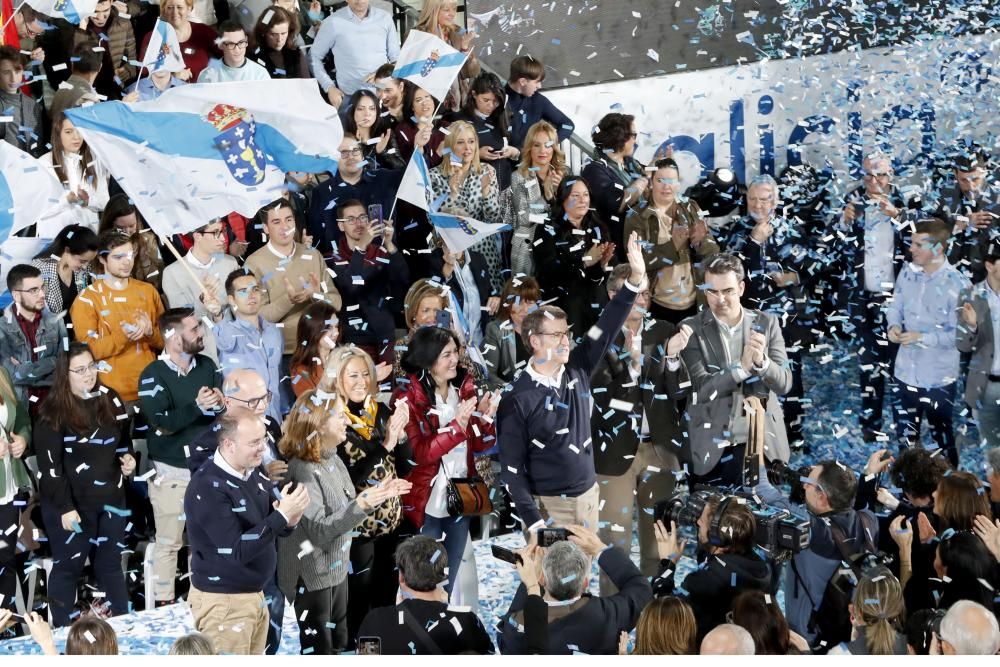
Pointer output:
x,y
779,474
780,534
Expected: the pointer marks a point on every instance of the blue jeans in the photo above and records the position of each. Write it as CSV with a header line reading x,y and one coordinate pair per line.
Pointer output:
x,y
456,533
276,611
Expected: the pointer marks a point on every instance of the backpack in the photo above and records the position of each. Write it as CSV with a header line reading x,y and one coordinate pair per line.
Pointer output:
x,y
831,620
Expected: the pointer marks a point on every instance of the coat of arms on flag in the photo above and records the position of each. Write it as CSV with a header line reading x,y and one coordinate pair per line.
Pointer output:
x,y
235,142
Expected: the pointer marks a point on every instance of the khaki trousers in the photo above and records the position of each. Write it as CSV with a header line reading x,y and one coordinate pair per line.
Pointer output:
x,y
563,511
645,483
167,498
235,622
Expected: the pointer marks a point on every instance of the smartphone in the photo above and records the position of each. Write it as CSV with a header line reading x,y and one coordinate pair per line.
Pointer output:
x,y
504,554
292,486
369,646
443,319
375,214
549,536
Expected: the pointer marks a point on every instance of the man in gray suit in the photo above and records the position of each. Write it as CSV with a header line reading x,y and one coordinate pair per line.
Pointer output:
x,y
636,425
733,352
977,334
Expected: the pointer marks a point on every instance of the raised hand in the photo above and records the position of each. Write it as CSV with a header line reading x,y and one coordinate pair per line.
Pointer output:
x,y
679,340
902,534
293,504
666,541
464,412
635,260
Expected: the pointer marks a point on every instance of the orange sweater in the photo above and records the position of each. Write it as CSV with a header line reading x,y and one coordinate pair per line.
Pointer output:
x,y
98,313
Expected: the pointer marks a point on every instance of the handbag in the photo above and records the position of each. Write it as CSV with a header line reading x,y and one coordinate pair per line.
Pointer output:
x,y
468,496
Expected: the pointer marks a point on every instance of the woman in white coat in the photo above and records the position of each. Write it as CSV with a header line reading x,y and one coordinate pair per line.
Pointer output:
x,y
83,177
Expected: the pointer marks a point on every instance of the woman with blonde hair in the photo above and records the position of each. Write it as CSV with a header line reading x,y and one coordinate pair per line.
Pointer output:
x,y
877,612
197,40
315,580
532,191
470,188
675,239
438,18
376,450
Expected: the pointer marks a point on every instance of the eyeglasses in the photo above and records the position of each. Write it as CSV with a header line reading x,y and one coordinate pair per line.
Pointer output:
x,y
878,174
247,291
558,335
356,219
83,370
34,290
633,135
356,150
31,32
242,44
254,403
217,233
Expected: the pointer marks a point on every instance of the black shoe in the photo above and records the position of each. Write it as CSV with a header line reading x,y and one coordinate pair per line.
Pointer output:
x,y
870,435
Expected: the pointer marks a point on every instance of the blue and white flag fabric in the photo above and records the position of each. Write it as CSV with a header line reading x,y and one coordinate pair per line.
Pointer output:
x,y
28,190
429,62
460,232
73,11
163,51
415,187
201,151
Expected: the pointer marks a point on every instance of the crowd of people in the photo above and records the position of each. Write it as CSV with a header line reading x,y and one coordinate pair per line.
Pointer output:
x,y
324,406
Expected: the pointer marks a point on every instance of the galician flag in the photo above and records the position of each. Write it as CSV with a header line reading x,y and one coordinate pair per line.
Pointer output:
x,y
429,62
163,51
200,151
73,11
460,232
28,189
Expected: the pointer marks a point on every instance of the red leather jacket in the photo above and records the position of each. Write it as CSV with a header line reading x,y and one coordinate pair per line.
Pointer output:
x,y
429,446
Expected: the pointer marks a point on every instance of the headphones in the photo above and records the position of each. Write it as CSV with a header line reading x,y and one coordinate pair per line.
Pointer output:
x,y
716,537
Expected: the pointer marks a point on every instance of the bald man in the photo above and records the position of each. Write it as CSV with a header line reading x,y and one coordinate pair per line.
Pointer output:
x,y
243,390
727,639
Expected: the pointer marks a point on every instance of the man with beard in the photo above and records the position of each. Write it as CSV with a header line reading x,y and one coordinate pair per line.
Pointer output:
x,y
180,394
116,316
30,336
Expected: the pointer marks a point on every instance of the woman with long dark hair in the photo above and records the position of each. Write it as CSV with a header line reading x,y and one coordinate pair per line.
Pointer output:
x,y
364,119
64,263
376,450
122,214
316,337
83,176
84,447
573,254
419,129
484,109
616,178
275,46
15,482
448,423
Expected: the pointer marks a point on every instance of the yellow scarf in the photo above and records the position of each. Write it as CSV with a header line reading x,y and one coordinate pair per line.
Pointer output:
x,y
365,424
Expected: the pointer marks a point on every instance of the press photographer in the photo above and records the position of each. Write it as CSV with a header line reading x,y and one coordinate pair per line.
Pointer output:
x,y
816,603
726,529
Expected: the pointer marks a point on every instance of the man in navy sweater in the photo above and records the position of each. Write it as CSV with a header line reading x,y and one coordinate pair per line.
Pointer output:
x,y
544,418
234,519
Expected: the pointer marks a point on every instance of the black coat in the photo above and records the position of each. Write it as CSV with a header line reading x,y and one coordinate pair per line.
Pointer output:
x,y
403,639
559,268
480,273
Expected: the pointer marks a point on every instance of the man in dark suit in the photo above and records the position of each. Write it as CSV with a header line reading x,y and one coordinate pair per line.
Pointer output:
x,y
577,621
972,207
733,352
976,335
637,428
873,248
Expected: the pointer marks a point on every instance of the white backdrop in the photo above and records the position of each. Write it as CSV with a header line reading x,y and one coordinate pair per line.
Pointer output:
x,y
915,99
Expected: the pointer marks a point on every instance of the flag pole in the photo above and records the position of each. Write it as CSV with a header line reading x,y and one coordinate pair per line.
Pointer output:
x,y
6,23
182,261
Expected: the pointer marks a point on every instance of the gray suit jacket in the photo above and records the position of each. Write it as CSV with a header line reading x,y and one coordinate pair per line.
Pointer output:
x,y
979,342
500,351
715,388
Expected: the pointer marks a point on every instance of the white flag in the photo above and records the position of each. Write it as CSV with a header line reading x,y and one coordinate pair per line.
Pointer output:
x,y
28,189
429,63
163,51
416,184
459,232
73,11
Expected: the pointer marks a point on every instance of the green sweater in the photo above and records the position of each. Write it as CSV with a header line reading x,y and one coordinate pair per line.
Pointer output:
x,y
168,401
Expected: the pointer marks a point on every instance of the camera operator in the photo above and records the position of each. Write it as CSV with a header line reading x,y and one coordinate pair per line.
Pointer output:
x,y
726,531
836,529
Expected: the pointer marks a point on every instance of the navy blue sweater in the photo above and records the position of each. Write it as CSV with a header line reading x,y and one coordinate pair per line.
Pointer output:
x,y
523,112
232,529
557,419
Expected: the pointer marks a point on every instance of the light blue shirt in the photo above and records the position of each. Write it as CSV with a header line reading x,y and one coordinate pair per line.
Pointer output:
x,y
241,345
147,89
928,305
359,47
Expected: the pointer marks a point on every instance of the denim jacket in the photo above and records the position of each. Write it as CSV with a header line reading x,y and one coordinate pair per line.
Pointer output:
x,y
14,346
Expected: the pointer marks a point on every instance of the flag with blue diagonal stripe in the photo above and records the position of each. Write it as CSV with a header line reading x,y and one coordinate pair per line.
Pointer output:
x,y
28,190
429,62
73,11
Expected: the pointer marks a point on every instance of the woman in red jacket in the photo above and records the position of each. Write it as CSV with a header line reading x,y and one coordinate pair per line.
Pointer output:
x,y
448,423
